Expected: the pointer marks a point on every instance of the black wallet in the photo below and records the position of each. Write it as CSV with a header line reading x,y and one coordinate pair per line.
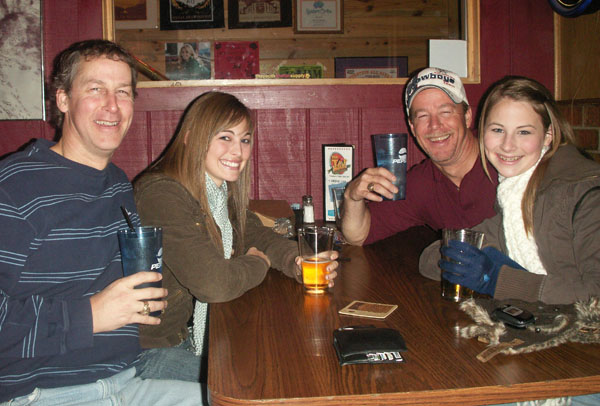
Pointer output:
x,y
368,345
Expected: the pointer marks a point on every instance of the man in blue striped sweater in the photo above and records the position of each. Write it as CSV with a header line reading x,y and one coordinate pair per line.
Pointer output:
x,y
68,318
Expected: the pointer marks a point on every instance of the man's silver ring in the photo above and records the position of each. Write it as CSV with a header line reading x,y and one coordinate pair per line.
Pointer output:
x,y
146,310
370,187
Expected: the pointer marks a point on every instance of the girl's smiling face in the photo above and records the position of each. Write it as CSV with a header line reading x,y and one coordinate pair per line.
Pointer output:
x,y
185,54
228,153
514,137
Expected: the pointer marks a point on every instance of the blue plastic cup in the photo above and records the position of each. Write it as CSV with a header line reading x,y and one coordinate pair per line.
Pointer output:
x,y
391,153
141,251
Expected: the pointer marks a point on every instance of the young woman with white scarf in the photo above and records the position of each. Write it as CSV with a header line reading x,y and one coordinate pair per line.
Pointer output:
x,y
543,243
215,249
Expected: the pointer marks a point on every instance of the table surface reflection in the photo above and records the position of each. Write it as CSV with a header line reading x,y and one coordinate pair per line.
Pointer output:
x,y
274,344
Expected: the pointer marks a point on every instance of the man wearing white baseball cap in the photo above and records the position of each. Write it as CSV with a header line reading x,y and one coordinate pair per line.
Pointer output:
x,y
449,189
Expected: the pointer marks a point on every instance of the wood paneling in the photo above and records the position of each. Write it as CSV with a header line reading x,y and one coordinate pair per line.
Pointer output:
x,y
134,153
161,128
383,120
327,126
277,97
291,125
292,121
578,56
515,40
280,151
371,28
531,36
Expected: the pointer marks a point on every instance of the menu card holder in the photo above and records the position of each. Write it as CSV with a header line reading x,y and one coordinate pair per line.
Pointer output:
x,y
338,160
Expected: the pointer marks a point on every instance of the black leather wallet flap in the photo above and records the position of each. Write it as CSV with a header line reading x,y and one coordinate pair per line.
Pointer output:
x,y
366,344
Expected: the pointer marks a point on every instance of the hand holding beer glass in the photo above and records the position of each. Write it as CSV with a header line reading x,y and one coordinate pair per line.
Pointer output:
x,y
315,245
452,291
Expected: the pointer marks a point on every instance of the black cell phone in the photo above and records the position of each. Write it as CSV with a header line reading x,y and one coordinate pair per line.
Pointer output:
x,y
513,316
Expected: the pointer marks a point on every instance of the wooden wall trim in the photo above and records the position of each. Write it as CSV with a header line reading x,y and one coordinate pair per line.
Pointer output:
x,y
473,47
289,97
557,58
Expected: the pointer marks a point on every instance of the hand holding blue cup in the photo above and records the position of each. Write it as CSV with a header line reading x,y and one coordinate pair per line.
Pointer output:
x,y
391,153
141,251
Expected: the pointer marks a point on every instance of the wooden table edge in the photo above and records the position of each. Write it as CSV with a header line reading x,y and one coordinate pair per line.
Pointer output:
x,y
464,396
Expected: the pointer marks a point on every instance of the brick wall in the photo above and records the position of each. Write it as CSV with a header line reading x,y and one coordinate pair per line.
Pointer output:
x,y
584,116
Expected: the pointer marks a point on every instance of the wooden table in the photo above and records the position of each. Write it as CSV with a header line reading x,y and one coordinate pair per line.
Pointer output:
x,y
274,344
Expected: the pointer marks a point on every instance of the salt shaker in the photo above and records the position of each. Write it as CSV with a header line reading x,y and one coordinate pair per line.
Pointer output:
x,y
309,210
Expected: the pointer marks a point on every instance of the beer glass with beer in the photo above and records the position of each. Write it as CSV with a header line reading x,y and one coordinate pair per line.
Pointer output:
x,y
316,245
452,291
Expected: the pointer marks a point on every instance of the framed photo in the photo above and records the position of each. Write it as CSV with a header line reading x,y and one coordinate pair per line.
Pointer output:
x,y
259,13
338,160
372,67
136,15
21,73
321,16
236,59
187,60
191,14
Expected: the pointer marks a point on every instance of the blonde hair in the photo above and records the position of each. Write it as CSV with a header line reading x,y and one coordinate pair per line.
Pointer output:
x,y
540,99
191,50
185,158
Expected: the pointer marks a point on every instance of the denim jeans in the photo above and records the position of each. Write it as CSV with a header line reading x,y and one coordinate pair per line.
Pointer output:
x,y
178,363
122,389
581,400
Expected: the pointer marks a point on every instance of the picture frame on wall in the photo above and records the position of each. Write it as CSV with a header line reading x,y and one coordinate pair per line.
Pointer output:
x,y
191,14
236,59
259,13
338,169
322,16
143,14
371,67
21,69
188,60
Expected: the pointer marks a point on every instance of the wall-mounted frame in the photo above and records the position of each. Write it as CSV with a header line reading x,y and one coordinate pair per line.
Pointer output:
x,y
323,16
178,15
471,8
259,13
21,71
142,15
188,60
228,54
371,67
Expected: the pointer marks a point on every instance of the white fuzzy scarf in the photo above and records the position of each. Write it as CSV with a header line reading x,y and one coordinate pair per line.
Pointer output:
x,y
217,201
521,247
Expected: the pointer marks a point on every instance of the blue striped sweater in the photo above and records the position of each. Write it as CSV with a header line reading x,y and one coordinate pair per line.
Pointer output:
x,y
58,247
